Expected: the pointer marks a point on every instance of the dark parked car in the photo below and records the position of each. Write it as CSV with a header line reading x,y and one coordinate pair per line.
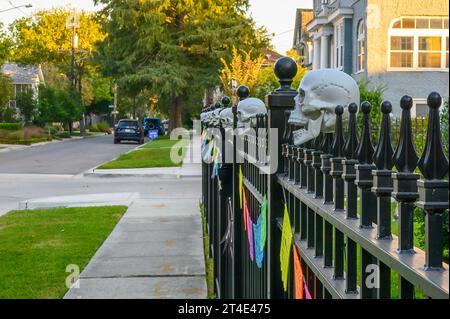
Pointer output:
x,y
128,130
153,123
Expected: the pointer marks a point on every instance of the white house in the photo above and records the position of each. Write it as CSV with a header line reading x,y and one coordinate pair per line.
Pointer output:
x,y
402,45
23,78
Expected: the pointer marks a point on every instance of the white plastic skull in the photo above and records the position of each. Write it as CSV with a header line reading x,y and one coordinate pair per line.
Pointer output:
x,y
319,93
248,109
215,117
203,117
226,117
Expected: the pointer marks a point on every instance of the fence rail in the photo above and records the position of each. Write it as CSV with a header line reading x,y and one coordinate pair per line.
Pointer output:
x,y
339,192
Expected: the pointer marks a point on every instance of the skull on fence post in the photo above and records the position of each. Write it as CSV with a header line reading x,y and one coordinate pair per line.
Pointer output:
x,y
248,109
319,93
226,117
215,116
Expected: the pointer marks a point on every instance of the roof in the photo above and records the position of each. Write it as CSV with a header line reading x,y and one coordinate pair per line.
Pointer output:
x,y
27,74
270,57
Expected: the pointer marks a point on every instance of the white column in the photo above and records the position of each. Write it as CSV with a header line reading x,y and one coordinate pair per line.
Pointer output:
x,y
316,54
324,51
309,52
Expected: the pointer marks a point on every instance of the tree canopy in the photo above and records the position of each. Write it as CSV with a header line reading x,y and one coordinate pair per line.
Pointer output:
x,y
5,45
173,47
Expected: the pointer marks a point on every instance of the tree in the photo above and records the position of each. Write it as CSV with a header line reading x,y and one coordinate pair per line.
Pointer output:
x,y
5,93
26,103
5,45
173,47
45,38
249,71
58,105
243,69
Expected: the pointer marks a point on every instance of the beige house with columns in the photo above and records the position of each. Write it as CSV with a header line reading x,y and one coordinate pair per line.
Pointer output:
x,y
401,45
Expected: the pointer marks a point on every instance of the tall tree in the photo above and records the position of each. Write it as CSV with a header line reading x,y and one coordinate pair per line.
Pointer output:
x,y
5,45
174,47
5,96
46,38
26,103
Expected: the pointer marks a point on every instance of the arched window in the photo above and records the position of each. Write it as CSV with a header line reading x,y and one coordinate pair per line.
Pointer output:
x,y
361,47
418,43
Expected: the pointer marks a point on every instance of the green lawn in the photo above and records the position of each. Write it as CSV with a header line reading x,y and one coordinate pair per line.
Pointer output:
x,y
153,154
37,246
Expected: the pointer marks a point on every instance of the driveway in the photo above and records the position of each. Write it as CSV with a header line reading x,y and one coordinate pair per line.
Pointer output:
x,y
69,157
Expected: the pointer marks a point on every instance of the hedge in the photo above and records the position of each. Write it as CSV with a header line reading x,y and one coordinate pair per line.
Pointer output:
x,y
10,126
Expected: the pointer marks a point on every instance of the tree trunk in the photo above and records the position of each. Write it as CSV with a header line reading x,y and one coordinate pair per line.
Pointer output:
x,y
210,96
82,119
175,120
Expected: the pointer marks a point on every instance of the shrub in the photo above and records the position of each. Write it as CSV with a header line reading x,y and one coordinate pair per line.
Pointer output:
x,y
94,128
101,127
375,98
445,127
63,135
10,126
53,129
28,132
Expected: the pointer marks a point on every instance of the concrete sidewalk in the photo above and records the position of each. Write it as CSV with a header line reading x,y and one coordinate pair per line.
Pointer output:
x,y
155,251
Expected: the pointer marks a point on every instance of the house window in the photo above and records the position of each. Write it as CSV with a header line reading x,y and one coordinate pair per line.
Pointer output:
x,y
339,46
21,88
361,47
402,52
418,43
420,107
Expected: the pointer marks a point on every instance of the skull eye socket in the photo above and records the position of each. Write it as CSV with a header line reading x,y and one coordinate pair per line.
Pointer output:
x,y
301,93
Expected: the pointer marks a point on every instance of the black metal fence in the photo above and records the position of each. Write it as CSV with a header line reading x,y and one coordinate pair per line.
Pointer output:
x,y
339,192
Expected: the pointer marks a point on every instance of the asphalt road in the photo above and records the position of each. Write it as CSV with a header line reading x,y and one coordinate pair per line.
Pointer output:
x,y
68,157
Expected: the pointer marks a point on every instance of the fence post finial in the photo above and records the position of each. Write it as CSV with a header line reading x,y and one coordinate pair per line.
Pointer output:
x,y
226,101
405,156
338,143
243,92
433,164
352,142
384,152
365,149
285,69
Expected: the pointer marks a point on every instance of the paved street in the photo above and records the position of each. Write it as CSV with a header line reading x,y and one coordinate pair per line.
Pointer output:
x,y
68,157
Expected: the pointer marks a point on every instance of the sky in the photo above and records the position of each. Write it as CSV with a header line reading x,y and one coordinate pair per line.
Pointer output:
x,y
278,16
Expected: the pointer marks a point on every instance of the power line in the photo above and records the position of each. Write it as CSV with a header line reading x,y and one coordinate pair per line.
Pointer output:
x,y
284,32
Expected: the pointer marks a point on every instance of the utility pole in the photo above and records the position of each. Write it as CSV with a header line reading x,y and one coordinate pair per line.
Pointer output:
x,y
115,104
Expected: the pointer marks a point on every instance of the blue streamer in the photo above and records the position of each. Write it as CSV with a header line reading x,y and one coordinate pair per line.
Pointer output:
x,y
259,253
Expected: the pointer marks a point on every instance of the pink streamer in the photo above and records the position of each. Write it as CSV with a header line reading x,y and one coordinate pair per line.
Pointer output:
x,y
250,233
307,294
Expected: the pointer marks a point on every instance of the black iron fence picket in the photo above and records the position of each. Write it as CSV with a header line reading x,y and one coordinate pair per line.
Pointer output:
x,y
339,191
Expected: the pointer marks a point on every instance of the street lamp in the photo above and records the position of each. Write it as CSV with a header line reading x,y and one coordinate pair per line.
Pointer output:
x,y
22,6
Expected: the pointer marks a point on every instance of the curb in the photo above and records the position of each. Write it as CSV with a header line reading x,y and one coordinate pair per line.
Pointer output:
x,y
18,147
158,175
